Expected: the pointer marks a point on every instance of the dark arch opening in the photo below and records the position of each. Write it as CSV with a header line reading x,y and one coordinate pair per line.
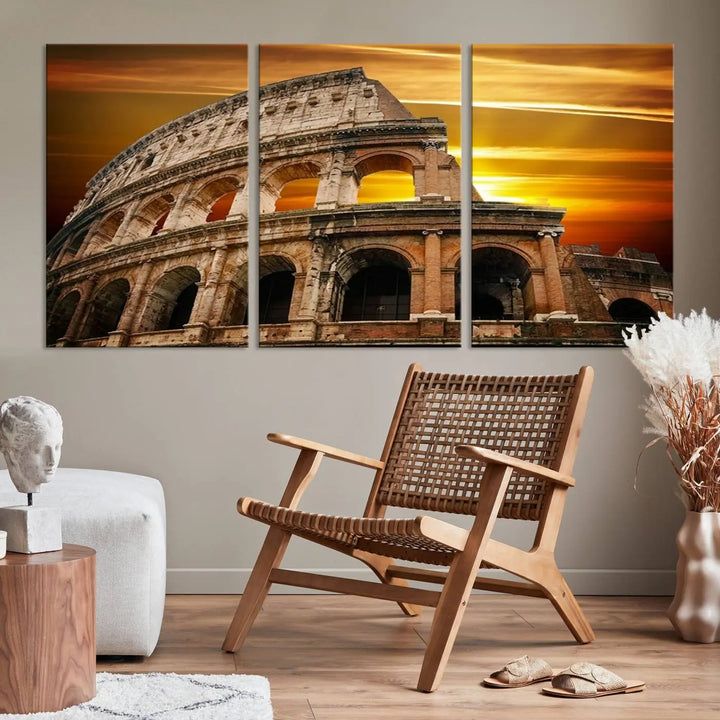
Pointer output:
x,y
183,307
488,307
458,290
500,287
172,300
380,292
275,297
106,308
61,316
630,311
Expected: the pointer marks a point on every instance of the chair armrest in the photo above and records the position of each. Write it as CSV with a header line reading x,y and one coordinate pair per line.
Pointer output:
x,y
526,468
332,452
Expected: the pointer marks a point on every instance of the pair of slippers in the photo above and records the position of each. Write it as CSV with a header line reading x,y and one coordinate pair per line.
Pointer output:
x,y
580,680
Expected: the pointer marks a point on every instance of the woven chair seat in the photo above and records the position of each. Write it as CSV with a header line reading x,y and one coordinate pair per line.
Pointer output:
x,y
396,538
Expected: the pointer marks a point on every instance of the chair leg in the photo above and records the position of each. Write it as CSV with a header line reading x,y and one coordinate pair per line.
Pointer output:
x,y
560,595
461,577
445,625
257,588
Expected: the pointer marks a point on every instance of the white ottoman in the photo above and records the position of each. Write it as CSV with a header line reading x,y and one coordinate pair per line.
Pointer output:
x,y
122,517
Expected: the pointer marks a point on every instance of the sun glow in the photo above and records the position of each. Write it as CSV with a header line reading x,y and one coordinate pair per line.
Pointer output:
x,y
583,127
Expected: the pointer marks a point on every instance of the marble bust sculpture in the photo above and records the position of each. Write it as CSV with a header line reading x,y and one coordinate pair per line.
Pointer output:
x,y
31,434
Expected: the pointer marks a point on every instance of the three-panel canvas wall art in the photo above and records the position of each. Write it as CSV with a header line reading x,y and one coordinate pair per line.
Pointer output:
x,y
352,197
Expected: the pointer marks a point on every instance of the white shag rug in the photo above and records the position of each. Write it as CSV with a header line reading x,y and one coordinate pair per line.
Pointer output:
x,y
167,696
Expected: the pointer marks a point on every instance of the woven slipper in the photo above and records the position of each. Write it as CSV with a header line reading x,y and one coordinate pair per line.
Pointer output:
x,y
585,680
519,673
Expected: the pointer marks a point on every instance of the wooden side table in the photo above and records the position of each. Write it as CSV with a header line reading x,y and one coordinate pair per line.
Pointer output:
x,y
47,630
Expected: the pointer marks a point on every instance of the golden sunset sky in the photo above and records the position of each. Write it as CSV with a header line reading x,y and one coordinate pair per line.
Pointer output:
x,y
102,98
425,78
585,127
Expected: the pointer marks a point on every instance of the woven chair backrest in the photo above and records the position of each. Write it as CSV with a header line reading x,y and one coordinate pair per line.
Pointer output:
x,y
526,417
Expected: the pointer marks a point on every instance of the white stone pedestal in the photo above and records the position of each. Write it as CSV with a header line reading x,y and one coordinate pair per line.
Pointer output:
x,y
31,529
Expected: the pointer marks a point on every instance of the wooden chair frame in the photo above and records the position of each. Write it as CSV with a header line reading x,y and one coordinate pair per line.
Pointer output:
x,y
469,549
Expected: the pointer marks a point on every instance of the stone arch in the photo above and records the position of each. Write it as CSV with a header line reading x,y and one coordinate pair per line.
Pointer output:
x,y
199,205
151,217
106,308
528,257
276,290
105,232
276,262
386,169
351,260
215,189
384,160
631,311
74,243
65,251
272,185
376,285
172,299
502,274
61,316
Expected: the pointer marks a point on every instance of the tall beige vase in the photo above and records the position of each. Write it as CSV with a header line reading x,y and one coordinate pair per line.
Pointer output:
x,y
695,610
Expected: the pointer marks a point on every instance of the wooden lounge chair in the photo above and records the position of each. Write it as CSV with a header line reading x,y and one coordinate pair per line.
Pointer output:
x,y
481,446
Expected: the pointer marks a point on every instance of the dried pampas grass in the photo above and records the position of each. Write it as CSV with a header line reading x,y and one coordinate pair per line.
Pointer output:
x,y
680,359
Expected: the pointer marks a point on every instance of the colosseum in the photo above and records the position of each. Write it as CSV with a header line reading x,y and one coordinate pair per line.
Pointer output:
x,y
156,251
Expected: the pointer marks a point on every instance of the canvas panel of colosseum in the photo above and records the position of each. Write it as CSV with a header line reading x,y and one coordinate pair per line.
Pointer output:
x,y
359,195
572,169
146,195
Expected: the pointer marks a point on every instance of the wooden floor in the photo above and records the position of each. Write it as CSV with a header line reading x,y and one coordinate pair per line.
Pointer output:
x,y
340,658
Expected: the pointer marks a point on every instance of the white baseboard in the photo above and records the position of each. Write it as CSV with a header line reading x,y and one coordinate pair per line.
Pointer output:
x,y
220,581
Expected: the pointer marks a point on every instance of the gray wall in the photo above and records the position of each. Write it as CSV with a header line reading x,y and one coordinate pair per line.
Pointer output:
x,y
196,418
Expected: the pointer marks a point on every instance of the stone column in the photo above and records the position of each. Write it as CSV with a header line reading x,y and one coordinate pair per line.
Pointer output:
x,y
297,296
432,182
417,292
121,336
127,219
174,217
349,186
332,289
268,198
206,295
433,272
229,283
239,207
553,281
79,315
328,193
311,290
